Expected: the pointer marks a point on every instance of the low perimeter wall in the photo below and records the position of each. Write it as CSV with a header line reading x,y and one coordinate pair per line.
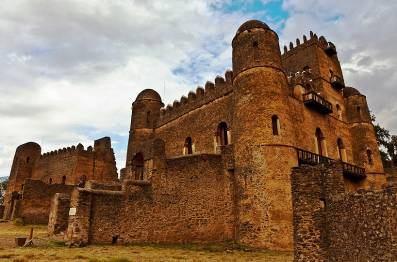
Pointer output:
x,y
331,225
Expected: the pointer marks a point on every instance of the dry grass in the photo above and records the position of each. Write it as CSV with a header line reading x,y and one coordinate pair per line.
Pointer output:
x,y
46,249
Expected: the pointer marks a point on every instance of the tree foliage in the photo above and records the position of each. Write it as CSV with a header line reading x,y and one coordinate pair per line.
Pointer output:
x,y
3,188
387,143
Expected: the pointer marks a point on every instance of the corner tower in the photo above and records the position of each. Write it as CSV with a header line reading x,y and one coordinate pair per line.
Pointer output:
x,y
263,137
145,114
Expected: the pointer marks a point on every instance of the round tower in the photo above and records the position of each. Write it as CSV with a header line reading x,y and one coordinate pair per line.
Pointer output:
x,y
145,114
365,147
263,138
21,169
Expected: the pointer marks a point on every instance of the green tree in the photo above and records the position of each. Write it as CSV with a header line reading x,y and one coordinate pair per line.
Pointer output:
x,y
387,143
3,188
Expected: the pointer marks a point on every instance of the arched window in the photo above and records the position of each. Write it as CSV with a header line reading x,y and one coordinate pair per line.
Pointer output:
x,y
369,157
339,111
50,181
320,142
63,180
341,150
188,147
138,164
82,180
221,134
275,125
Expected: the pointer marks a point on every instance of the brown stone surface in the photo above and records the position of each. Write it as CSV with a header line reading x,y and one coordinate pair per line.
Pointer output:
x,y
50,171
59,213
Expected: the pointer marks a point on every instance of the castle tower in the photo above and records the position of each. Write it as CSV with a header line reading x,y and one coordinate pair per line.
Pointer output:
x,y
21,169
145,114
365,148
263,138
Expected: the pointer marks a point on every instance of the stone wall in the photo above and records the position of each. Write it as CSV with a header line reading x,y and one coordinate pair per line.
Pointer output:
x,y
34,207
331,224
59,213
1,210
191,200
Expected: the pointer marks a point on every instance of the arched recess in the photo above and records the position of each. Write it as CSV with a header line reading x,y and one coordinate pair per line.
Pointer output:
x,y
341,150
275,125
320,143
63,180
188,146
138,165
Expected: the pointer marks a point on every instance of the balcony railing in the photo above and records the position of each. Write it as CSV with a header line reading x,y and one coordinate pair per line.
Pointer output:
x,y
354,171
309,158
337,82
317,102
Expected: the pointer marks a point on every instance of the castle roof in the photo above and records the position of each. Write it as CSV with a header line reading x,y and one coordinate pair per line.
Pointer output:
x,y
148,94
350,91
251,24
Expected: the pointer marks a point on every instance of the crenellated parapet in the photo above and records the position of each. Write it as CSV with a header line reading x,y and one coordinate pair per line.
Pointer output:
x,y
70,150
291,49
211,91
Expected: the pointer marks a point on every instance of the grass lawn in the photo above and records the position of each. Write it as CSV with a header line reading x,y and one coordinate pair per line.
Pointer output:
x,y
46,249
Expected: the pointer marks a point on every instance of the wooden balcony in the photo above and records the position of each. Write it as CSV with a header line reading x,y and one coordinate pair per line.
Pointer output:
x,y
309,158
317,102
337,82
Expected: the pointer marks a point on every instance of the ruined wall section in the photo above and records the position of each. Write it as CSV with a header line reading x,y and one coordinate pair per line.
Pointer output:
x,y
333,225
34,207
59,213
197,118
96,163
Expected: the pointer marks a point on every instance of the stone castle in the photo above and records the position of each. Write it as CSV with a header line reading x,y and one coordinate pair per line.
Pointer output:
x,y
229,161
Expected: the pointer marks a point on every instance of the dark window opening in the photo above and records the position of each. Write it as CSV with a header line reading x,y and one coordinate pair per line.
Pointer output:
x,y
114,239
50,181
138,164
63,180
358,109
275,125
188,146
255,44
82,181
319,140
222,134
27,159
369,157
341,147
148,117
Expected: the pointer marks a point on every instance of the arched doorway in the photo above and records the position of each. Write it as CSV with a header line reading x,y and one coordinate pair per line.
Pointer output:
x,y
138,164
341,150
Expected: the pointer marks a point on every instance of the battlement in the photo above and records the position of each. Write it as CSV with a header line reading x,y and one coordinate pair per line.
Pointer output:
x,y
212,90
100,145
313,39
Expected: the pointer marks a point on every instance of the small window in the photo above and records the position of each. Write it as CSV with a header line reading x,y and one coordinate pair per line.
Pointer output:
x,y
188,146
255,44
63,180
50,181
138,163
369,157
275,125
339,111
341,149
358,109
22,186
222,134
27,159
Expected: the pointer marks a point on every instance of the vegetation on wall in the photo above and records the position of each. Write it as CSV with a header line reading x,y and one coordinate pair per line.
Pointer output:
x,y
3,188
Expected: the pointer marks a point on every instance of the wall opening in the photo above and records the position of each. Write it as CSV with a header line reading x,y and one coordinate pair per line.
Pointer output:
x,y
138,165
320,143
148,117
188,147
63,180
339,111
27,159
50,181
341,150
222,134
369,157
275,125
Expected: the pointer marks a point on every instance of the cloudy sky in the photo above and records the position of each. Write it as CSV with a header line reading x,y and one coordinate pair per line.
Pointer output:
x,y
70,69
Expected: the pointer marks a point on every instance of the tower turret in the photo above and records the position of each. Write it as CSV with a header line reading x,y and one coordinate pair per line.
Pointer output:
x,y
365,148
145,114
263,138
21,169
